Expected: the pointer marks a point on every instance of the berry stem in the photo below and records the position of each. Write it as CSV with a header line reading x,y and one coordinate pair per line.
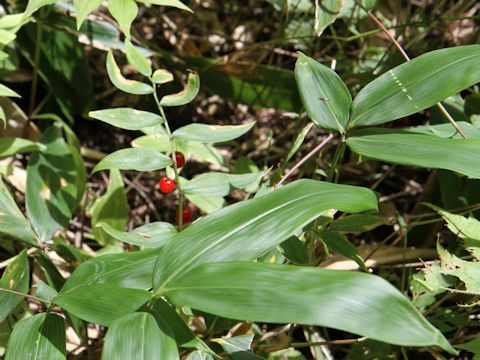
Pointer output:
x,y
175,168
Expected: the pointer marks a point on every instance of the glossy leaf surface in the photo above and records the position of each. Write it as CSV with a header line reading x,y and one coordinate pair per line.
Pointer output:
x,y
211,133
356,302
250,228
404,148
117,79
16,277
416,85
184,96
151,235
127,118
134,159
137,59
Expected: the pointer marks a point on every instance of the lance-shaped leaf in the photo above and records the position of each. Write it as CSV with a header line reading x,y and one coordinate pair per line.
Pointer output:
x,y
12,222
134,159
184,96
101,304
5,91
40,337
356,302
127,118
137,59
117,79
250,228
219,184
324,95
404,148
162,76
416,85
138,336
211,134
16,277
83,8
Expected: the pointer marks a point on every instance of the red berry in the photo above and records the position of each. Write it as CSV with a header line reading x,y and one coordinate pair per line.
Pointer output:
x,y
166,184
179,159
186,215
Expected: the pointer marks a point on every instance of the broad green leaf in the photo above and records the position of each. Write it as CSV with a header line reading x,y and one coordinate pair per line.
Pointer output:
x,y
199,355
324,95
5,91
162,76
326,11
183,335
137,59
52,190
8,21
6,37
173,3
218,184
447,131
184,96
207,204
134,159
124,11
341,245
151,235
211,133
111,209
157,142
117,79
127,118
466,271
12,222
295,251
472,346
101,304
416,85
45,291
404,148
127,270
40,337
251,228
350,301
138,336
83,8
13,145
16,277
238,347
357,223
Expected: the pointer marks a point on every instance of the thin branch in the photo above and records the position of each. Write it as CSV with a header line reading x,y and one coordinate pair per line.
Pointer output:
x,y
302,161
327,343
406,57
31,297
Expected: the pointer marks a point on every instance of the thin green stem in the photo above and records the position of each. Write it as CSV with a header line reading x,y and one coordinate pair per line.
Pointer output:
x,y
175,167
337,159
31,297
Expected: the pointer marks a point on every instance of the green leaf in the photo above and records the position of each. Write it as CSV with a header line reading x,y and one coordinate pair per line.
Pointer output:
x,y
151,235
45,292
12,222
218,184
466,271
207,204
416,85
16,277
298,141
40,337
471,346
126,118
101,304
137,336
136,58
134,159
117,79
324,95
13,145
83,8
404,148
199,355
111,209
212,133
162,76
463,227
157,142
6,37
124,11
251,228
295,251
52,190
184,96
357,223
173,3
350,301
34,5
326,11
5,91
238,347
341,245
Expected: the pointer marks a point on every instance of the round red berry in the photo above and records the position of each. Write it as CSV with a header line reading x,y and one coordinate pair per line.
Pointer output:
x,y
186,215
179,159
166,184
